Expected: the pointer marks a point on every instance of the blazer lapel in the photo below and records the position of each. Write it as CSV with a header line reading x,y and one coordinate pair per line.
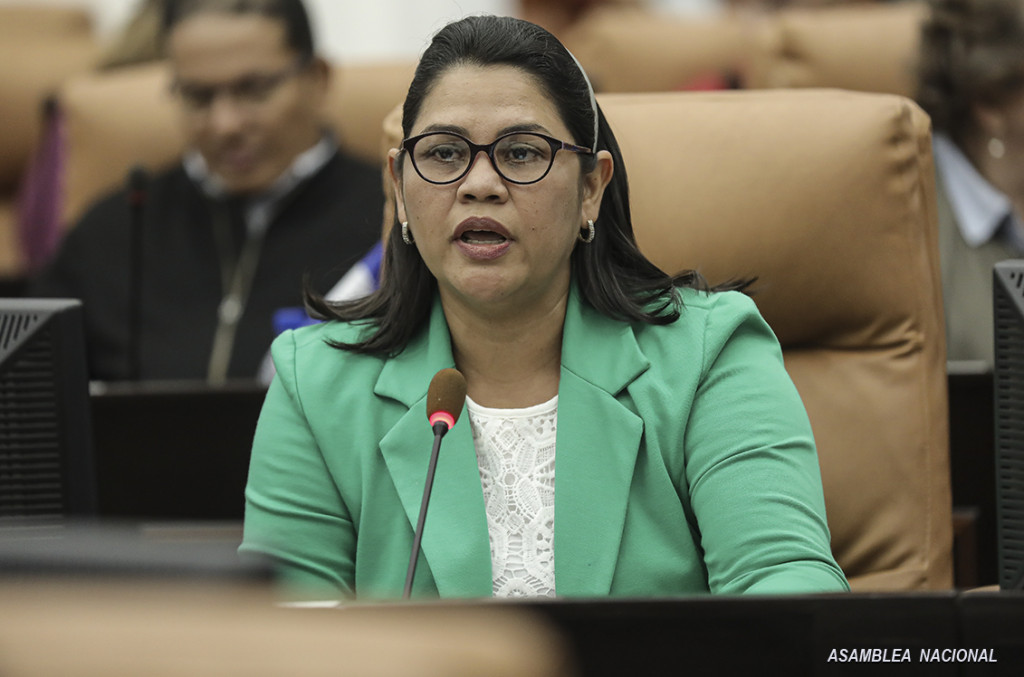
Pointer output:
x,y
596,448
455,546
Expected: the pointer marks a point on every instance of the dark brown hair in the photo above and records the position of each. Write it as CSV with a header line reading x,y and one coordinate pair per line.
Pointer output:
x,y
291,13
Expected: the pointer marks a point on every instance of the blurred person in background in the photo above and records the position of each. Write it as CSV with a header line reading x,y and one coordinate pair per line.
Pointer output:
x,y
261,199
972,84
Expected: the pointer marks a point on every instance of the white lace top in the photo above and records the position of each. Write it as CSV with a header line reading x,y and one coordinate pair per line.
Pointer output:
x,y
515,449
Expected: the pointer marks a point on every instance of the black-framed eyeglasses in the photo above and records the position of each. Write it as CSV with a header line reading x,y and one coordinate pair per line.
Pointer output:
x,y
518,157
249,91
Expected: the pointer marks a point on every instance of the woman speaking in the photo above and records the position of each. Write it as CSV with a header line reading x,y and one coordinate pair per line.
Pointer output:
x,y
624,431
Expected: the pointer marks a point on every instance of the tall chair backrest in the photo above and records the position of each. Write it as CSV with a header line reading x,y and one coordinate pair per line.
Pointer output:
x,y
868,47
632,49
828,198
39,48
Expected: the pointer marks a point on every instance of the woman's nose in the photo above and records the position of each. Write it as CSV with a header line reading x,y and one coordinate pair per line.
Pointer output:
x,y
482,181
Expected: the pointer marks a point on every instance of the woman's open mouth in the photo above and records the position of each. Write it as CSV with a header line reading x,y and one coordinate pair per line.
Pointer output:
x,y
482,239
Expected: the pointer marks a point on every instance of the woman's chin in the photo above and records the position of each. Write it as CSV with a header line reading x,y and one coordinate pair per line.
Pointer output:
x,y
501,295
485,289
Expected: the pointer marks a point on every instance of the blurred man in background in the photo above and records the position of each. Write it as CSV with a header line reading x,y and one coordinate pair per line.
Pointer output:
x,y
261,200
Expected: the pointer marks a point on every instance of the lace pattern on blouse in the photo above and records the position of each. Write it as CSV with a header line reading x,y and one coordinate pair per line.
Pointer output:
x,y
515,451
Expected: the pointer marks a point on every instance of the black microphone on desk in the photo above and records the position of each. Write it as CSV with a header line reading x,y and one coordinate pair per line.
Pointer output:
x,y
445,397
138,194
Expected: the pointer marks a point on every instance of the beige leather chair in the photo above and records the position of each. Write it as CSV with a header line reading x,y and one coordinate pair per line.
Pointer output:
x,y
828,197
126,117
94,629
863,47
630,49
39,48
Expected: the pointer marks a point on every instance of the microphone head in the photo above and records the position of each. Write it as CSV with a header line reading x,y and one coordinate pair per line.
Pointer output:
x,y
445,396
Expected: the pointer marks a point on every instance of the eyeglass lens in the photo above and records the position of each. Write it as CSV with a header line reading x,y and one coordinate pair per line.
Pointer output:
x,y
522,158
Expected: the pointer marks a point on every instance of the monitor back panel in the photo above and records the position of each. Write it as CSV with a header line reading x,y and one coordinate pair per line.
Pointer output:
x,y
1008,308
45,443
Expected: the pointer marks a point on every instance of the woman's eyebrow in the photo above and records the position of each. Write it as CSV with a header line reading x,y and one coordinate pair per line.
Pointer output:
x,y
454,129
462,131
525,127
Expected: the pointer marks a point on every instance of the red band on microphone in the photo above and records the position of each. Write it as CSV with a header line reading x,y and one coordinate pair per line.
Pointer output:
x,y
442,416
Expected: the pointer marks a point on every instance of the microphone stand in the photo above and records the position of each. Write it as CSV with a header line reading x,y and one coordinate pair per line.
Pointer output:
x,y
440,428
137,186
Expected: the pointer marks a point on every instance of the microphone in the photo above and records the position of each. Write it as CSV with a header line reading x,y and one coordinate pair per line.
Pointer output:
x,y
137,188
445,397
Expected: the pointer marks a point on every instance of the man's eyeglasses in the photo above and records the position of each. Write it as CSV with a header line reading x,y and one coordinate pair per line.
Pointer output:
x,y
251,90
518,157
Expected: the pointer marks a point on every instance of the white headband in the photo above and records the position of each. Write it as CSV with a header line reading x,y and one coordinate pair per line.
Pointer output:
x,y
593,99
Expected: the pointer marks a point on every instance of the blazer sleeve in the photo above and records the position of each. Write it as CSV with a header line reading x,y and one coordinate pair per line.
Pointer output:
x,y
752,466
294,514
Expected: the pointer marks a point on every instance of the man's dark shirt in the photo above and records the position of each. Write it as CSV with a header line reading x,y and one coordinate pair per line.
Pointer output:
x,y
321,229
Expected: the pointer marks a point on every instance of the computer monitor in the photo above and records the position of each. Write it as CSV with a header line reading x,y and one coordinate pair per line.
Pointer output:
x,y
173,450
1008,378
46,465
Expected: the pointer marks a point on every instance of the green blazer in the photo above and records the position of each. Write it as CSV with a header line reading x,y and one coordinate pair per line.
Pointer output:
x,y
684,464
